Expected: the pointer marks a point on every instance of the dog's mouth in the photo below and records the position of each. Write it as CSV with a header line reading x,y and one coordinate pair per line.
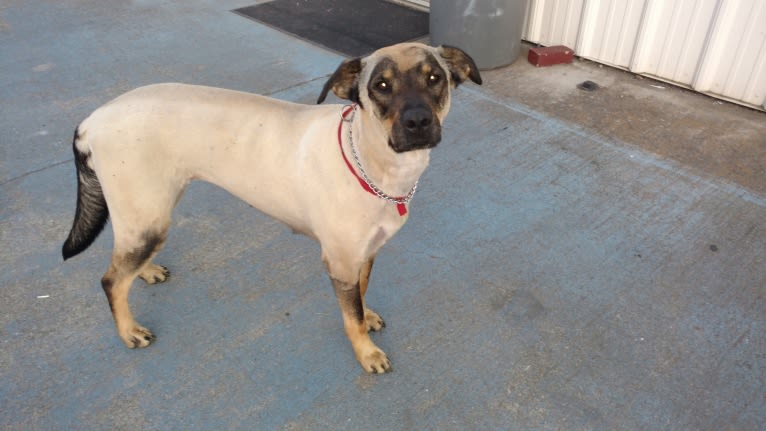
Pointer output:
x,y
403,146
419,134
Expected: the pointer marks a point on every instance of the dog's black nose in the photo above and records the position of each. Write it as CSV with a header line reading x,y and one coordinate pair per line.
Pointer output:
x,y
417,120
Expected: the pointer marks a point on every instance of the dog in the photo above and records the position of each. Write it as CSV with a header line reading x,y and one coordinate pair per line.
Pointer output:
x,y
343,175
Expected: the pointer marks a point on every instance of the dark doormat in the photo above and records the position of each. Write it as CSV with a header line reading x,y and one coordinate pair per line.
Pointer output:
x,y
350,27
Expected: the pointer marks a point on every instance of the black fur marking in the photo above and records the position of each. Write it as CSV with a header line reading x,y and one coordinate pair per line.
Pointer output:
x,y
461,65
151,243
92,212
410,94
439,92
408,88
382,100
350,298
455,79
353,95
344,82
383,107
108,284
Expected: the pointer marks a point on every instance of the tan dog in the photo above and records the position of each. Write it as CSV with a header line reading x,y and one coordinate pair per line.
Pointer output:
x,y
345,183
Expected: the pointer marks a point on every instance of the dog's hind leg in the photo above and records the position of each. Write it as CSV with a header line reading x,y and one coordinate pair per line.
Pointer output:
x,y
373,320
141,197
130,258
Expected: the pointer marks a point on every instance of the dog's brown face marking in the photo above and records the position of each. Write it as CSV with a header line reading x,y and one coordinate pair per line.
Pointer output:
x,y
409,93
408,88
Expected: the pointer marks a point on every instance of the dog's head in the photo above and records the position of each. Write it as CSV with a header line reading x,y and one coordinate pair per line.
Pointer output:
x,y
406,87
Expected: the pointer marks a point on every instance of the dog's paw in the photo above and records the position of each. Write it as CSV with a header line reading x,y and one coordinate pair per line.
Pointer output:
x,y
137,336
153,273
375,362
373,320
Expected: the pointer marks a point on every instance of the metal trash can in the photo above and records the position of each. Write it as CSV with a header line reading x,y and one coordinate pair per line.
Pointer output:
x,y
488,30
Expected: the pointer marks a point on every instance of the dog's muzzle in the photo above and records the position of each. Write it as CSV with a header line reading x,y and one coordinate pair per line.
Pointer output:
x,y
417,129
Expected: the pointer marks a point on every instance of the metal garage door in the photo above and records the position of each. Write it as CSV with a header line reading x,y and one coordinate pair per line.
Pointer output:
x,y
713,46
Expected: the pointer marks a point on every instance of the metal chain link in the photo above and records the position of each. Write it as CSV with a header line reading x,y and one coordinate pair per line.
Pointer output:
x,y
403,200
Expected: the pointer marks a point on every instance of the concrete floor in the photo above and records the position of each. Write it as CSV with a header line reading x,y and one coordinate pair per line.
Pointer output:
x,y
574,261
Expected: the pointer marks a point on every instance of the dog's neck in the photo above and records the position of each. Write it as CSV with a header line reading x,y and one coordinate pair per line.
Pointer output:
x,y
394,173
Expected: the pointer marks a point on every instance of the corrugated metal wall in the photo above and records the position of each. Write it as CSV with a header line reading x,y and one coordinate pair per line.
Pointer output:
x,y
419,4
716,47
712,46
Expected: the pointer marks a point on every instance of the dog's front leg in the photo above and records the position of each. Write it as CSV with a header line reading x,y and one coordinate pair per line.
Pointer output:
x,y
373,319
372,359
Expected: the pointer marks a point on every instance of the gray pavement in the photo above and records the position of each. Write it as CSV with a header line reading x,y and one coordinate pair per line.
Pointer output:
x,y
551,277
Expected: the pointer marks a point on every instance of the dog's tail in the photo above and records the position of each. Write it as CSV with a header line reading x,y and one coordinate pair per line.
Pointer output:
x,y
92,212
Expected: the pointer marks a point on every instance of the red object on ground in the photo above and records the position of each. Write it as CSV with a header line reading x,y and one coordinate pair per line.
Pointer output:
x,y
550,55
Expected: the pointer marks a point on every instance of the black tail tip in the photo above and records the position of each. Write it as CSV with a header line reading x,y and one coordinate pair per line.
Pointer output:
x,y
68,251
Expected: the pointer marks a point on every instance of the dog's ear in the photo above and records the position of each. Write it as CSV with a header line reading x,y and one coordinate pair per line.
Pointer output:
x,y
461,65
344,82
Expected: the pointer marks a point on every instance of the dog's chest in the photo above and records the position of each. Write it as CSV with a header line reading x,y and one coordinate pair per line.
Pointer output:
x,y
382,231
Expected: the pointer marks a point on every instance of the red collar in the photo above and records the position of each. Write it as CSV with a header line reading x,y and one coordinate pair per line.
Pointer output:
x,y
401,207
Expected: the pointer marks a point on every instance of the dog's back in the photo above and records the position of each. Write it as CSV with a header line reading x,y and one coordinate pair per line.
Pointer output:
x,y
155,139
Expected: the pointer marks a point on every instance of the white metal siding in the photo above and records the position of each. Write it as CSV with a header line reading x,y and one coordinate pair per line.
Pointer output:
x,y
420,3
716,47
713,46
671,39
554,22
734,62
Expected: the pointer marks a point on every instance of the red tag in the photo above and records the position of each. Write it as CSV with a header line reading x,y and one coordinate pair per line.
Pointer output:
x,y
401,208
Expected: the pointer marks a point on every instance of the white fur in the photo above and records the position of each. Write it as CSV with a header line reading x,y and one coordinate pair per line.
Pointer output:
x,y
280,157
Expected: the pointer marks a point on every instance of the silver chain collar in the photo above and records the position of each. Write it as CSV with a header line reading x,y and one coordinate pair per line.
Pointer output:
x,y
402,200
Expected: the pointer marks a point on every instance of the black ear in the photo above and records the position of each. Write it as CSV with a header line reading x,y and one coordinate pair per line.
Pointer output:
x,y
344,82
461,65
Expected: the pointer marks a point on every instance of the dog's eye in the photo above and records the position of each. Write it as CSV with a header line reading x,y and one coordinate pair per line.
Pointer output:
x,y
383,86
434,79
